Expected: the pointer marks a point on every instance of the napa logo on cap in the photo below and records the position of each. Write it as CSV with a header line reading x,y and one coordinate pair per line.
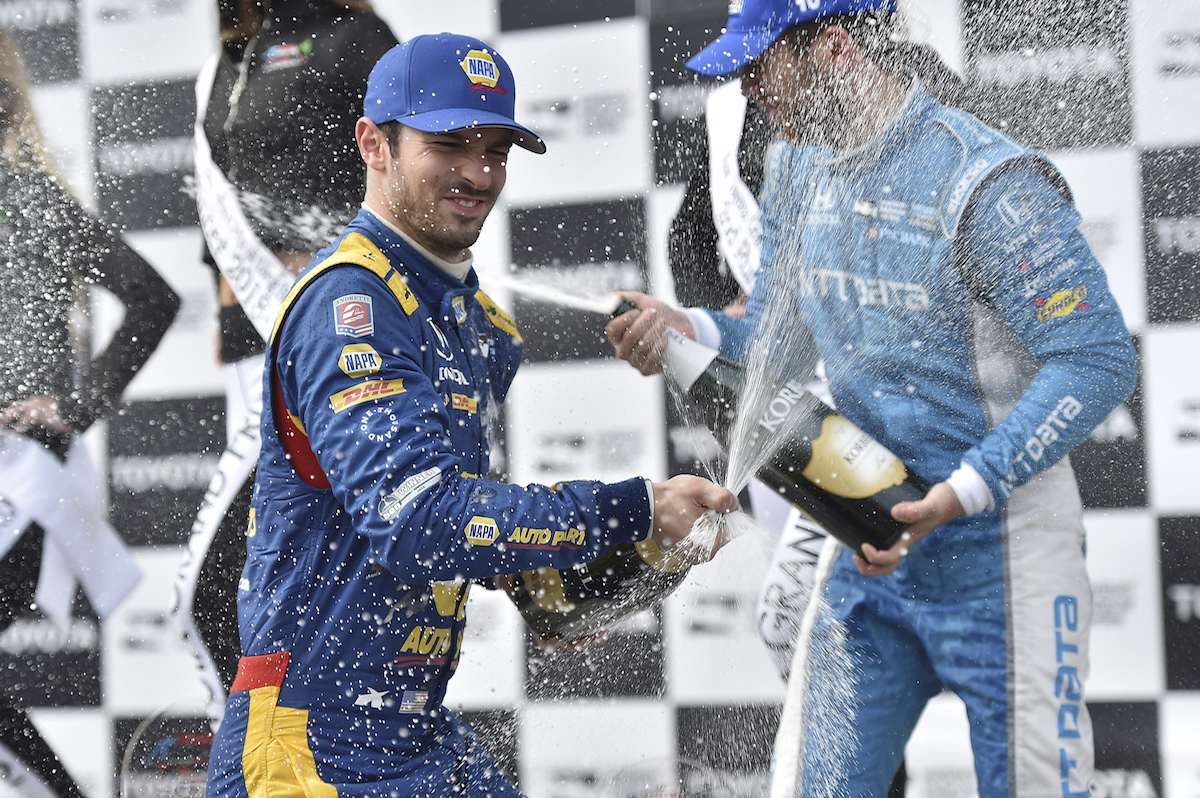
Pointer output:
x,y
481,68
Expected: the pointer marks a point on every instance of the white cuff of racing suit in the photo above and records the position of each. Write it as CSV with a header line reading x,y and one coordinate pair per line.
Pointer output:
x,y
649,493
972,492
707,331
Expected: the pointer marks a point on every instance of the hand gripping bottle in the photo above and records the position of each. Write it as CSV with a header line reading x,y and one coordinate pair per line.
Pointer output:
x,y
825,465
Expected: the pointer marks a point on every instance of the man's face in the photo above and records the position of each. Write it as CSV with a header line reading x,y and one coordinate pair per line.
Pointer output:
x,y
441,186
787,83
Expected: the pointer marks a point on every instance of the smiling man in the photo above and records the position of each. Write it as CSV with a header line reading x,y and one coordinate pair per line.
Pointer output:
x,y
372,511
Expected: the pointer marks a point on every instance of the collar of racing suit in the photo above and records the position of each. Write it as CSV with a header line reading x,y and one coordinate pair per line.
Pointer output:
x,y
458,271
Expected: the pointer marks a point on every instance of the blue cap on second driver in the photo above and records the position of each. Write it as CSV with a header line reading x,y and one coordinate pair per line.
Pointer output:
x,y
754,25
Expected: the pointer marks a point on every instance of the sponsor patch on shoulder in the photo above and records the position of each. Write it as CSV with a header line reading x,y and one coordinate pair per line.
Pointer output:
x,y
482,531
365,392
358,360
353,316
1062,303
391,504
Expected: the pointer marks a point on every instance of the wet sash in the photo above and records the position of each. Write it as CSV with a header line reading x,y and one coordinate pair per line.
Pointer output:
x,y
735,210
258,278
80,546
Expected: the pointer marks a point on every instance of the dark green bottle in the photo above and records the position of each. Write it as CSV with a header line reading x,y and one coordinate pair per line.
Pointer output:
x,y
826,466
578,602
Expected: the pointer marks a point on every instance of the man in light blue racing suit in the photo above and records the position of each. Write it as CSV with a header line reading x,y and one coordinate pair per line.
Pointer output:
x,y
937,268
372,509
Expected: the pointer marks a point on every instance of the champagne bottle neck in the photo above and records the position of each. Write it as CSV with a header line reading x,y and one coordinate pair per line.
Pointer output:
x,y
685,360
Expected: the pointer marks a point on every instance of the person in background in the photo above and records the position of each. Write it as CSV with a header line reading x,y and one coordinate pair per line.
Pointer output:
x,y
372,512
53,534
937,268
277,126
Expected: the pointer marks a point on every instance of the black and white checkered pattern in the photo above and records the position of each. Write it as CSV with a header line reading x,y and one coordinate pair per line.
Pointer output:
x,y
1110,90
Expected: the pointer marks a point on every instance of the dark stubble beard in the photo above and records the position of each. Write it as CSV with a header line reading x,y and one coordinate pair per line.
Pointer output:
x,y
421,216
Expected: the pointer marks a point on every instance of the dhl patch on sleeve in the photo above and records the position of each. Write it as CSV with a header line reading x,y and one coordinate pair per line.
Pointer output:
x,y
460,402
359,360
365,392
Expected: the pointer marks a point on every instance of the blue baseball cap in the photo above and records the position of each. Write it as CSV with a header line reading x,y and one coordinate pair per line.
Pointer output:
x,y
754,25
444,82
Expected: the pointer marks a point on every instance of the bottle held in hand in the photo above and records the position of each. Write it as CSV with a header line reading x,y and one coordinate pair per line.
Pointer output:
x,y
839,475
576,603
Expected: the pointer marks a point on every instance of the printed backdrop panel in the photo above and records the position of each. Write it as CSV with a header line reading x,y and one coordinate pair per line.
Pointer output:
x,y
714,653
1127,642
1180,725
163,455
1171,363
1171,233
583,90
1166,71
123,40
584,420
1179,537
1052,75
143,139
146,665
597,748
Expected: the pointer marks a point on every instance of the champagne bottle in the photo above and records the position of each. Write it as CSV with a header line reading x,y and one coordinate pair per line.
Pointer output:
x,y
578,602
826,466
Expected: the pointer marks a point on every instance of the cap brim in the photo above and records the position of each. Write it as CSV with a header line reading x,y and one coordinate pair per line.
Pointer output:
x,y
733,50
448,120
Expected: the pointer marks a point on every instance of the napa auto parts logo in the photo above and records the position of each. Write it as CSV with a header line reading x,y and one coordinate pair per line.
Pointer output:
x,y
482,71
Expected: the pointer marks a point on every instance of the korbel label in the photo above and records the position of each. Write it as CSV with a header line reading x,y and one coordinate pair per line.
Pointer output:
x,y
849,463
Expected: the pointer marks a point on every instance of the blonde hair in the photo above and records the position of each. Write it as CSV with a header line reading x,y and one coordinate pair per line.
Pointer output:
x,y
23,146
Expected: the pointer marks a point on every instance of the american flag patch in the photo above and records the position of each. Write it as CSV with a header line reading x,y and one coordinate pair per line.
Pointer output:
x,y
414,700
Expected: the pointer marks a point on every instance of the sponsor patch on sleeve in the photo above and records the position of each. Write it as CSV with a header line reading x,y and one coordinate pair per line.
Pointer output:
x,y
358,360
1061,303
353,316
391,504
365,392
482,531
461,402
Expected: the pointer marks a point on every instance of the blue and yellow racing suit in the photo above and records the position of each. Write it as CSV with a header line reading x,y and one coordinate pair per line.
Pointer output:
x,y
940,273
371,515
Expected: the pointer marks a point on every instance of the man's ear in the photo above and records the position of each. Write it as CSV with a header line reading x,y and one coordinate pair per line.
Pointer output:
x,y
372,144
839,45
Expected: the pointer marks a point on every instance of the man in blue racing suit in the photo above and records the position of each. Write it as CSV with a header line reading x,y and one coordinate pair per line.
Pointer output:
x,y
937,268
372,510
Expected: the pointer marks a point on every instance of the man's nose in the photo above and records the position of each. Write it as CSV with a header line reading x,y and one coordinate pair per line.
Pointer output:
x,y
476,171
